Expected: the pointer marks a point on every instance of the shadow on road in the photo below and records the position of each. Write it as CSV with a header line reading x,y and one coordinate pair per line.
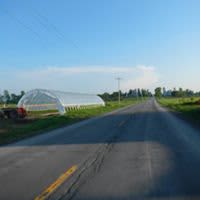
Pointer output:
x,y
181,179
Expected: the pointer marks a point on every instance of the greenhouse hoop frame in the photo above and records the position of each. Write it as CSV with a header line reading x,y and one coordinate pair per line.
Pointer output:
x,y
42,99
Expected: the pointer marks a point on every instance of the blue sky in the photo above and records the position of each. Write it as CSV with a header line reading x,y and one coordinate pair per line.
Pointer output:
x,y
83,45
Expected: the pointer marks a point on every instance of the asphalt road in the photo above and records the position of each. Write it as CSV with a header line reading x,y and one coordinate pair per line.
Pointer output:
x,y
141,152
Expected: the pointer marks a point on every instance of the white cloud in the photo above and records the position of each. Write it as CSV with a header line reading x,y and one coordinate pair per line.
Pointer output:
x,y
147,78
92,79
90,69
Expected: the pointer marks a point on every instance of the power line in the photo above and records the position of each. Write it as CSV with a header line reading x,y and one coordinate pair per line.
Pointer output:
x,y
21,23
49,26
43,21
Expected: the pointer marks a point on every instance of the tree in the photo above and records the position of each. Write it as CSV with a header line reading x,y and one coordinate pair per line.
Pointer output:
x,y
14,98
6,96
10,98
158,92
181,93
105,96
189,93
145,93
1,98
114,95
130,92
22,93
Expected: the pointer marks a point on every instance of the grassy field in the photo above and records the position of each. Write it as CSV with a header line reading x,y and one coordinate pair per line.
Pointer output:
x,y
189,107
39,122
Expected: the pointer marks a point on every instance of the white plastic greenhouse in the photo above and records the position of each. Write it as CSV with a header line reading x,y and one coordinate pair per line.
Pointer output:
x,y
40,99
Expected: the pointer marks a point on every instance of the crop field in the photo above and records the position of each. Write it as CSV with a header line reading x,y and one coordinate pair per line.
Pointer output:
x,y
189,107
41,121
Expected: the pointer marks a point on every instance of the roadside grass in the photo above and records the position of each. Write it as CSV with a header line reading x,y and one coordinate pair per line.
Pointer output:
x,y
8,105
42,121
189,107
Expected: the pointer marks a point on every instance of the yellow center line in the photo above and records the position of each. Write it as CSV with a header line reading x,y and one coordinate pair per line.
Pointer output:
x,y
47,192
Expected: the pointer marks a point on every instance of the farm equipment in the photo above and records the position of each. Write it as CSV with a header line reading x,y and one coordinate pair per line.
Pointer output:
x,y
13,113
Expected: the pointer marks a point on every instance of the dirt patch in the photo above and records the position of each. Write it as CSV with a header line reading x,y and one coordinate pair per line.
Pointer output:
x,y
50,114
198,102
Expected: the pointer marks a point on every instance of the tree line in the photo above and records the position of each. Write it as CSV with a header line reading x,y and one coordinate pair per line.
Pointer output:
x,y
10,98
137,93
162,92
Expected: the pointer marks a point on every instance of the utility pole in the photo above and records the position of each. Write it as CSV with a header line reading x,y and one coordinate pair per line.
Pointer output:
x,y
118,79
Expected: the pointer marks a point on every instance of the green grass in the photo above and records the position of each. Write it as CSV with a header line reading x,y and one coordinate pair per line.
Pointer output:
x,y
8,105
39,122
187,106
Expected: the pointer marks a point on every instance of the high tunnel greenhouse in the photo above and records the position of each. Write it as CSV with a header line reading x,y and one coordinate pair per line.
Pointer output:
x,y
40,99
